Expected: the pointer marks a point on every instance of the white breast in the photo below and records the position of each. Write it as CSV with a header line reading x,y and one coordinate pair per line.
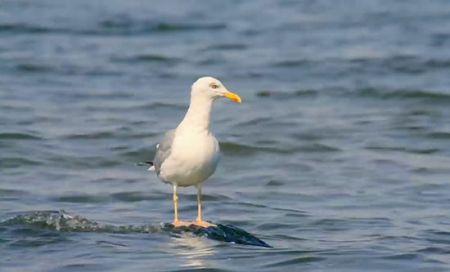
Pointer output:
x,y
194,158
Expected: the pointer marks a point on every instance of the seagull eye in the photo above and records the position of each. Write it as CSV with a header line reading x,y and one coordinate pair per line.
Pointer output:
x,y
214,86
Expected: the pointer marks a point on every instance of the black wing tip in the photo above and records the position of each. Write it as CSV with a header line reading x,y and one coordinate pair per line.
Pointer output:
x,y
145,163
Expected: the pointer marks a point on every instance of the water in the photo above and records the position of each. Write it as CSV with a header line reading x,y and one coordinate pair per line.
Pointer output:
x,y
338,157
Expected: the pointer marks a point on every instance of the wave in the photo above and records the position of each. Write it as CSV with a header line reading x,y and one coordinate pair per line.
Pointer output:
x,y
243,149
63,69
125,25
16,162
132,196
93,135
386,94
147,58
227,46
284,94
406,64
21,28
62,221
403,149
292,63
368,92
18,136
439,135
295,261
116,26
33,67
403,64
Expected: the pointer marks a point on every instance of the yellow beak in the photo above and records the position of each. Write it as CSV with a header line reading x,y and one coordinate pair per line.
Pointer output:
x,y
232,96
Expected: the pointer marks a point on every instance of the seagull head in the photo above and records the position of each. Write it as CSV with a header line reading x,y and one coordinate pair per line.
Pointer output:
x,y
212,88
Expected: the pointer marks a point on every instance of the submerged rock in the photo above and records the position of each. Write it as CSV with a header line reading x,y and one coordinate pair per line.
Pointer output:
x,y
224,233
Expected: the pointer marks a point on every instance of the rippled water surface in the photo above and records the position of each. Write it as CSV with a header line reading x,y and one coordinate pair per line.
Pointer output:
x,y
339,156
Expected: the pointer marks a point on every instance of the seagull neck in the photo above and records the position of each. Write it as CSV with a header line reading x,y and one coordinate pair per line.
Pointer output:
x,y
199,113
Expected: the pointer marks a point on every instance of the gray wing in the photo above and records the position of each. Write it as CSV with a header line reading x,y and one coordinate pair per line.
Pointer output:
x,y
163,150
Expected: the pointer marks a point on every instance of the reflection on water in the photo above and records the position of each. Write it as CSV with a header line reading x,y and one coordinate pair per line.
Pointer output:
x,y
193,250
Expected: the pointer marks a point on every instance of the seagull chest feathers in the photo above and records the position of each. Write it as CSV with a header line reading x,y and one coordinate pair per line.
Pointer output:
x,y
195,158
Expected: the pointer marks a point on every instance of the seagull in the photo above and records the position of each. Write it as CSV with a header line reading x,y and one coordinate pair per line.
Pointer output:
x,y
189,154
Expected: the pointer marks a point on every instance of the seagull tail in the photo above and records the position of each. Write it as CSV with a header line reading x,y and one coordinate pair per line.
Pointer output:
x,y
149,163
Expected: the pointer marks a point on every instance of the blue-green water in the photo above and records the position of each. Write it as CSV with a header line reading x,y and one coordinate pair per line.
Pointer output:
x,y
339,156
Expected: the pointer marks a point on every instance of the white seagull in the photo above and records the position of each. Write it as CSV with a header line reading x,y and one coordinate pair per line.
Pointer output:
x,y
188,154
